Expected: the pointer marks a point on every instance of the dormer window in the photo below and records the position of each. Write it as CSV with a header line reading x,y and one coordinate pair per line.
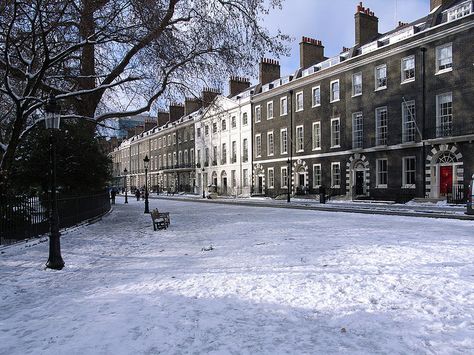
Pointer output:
x,y
460,11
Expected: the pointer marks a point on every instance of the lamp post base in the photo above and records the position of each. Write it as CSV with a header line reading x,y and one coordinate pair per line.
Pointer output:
x,y
55,260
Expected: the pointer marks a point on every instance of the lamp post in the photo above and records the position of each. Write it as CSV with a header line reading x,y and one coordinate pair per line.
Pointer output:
x,y
203,192
288,180
125,171
52,117
145,164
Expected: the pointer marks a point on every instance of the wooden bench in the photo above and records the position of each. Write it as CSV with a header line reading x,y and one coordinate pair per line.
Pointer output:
x,y
161,220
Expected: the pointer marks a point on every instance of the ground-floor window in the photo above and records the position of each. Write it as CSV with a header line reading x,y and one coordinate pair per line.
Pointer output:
x,y
336,175
245,174
409,172
271,178
316,175
284,177
382,173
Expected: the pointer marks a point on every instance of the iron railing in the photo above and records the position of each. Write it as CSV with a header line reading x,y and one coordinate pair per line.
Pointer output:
x,y
25,217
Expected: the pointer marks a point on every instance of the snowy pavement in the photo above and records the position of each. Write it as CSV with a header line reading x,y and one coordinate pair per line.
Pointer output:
x,y
243,280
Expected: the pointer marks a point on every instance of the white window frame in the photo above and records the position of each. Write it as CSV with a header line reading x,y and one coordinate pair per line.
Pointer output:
x,y
258,147
284,182
331,92
315,185
438,52
315,103
333,142
378,127
224,124
298,107
299,142
284,144
285,106
357,130
316,129
258,113
403,78
381,87
354,93
271,181
444,124
245,121
378,172
269,111
270,147
405,171
233,122
333,180
406,112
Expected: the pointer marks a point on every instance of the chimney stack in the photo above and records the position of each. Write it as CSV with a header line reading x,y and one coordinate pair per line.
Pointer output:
x,y
208,95
162,118
191,105
366,25
311,52
176,112
237,85
269,71
149,124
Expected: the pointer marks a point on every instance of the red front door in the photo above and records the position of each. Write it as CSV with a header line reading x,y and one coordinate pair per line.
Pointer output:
x,y
446,180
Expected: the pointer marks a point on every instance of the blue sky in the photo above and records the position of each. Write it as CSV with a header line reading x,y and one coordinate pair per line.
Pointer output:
x,y
332,22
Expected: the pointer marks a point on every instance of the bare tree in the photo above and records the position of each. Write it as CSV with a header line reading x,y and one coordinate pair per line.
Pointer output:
x,y
91,53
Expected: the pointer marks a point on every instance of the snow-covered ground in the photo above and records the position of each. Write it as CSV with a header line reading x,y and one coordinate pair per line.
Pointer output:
x,y
275,281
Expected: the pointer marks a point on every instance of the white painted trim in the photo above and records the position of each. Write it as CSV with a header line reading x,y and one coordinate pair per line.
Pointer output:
x,y
302,101
313,89
331,98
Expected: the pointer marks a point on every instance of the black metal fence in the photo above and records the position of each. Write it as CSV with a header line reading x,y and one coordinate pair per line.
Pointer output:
x,y
457,194
25,217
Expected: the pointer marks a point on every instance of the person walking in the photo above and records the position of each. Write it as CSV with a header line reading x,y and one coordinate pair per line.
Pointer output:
x,y
137,194
113,193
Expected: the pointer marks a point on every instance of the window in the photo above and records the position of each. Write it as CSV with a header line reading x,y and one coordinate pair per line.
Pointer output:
x,y
444,58
224,154
408,124
316,135
232,178
381,173
381,125
409,172
284,177
381,77
174,158
169,161
224,125
357,84
357,130
234,121
169,139
160,165
335,133
258,114
316,175
174,138
245,155
408,69
299,101
234,151
269,110
335,175
283,141
214,127
316,96
191,155
206,161
283,106
206,130
334,86
444,115
245,174
258,145
270,144
299,139
214,155
271,178
245,119
180,157
199,156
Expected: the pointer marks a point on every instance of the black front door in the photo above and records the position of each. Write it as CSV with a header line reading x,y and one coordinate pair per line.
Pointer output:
x,y
260,183
359,183
224,185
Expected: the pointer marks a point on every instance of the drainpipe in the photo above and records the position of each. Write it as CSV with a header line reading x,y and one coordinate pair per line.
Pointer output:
x,y
290,160
423,100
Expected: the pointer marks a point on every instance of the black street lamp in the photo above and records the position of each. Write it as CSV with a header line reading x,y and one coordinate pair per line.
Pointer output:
x,y
125,171
203,192
288,180
145,164
52,117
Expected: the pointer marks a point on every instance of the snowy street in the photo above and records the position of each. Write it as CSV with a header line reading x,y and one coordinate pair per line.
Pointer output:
x,y
243,280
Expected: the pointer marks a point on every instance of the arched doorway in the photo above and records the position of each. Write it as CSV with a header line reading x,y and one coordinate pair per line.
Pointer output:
x,y
259,179
358,176
444,171
224,182
300,177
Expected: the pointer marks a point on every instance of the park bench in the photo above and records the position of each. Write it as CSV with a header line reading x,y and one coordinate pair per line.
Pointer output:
x,y
161,220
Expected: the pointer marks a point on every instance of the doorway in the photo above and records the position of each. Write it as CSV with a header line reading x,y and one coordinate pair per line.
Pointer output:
x,y
446,180
260,185
359,182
